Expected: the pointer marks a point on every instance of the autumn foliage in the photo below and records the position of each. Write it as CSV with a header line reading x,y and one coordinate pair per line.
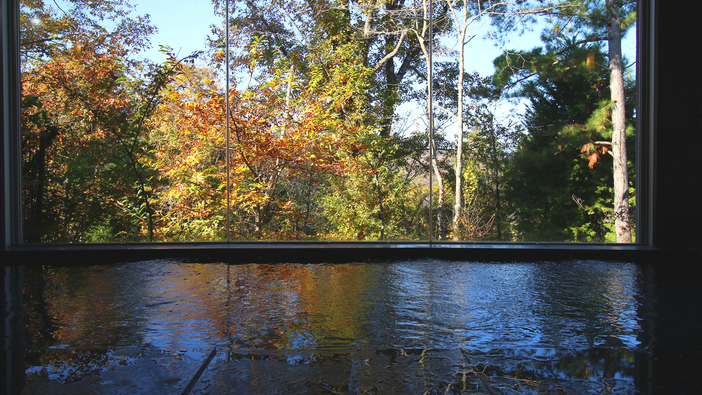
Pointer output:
x,y
303,136
274,143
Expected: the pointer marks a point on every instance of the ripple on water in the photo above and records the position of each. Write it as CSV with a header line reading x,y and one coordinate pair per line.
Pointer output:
x,y
540,311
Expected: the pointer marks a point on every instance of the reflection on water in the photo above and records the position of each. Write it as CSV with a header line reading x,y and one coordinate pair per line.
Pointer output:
x,y
343,328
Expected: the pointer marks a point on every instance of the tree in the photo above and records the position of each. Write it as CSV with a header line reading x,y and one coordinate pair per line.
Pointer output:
x,y
189,157
368,201
464,14
423,30
616,66
118,108
456,20
558,195
282,133
492,145
305,33
80,76
584,24
349,50
47,30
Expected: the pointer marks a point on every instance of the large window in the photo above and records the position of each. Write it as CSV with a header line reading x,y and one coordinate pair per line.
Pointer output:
x,y
370,121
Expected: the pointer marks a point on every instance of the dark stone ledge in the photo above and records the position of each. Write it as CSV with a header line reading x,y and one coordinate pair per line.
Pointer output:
x,y
339,252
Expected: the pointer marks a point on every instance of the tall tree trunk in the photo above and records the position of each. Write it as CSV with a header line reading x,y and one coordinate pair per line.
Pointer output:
x,y
380,204
457,205
621,176
426,31
441,227
376,171
496,178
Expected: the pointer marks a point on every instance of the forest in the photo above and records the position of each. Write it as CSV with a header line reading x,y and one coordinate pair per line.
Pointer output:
x,y
326,120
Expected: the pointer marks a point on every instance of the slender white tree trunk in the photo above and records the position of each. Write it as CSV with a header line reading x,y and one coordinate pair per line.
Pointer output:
x,y
423,32
458,203
441,227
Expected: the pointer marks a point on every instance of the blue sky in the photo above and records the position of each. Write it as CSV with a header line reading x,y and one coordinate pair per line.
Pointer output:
x,y
182,24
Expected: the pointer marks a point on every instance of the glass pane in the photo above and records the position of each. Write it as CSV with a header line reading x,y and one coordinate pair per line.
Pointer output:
x,y
319,150
537,146
329,112
105,90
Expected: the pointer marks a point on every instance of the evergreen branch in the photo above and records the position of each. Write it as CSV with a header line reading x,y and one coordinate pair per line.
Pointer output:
x,y
580,42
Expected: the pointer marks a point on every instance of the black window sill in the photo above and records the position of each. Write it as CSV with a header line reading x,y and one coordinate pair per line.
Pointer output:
x,y
339,252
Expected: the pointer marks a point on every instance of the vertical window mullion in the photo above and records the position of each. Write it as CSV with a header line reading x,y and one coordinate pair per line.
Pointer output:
x,y
11,140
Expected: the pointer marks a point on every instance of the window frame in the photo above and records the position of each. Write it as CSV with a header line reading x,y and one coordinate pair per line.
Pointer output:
x,y
336,251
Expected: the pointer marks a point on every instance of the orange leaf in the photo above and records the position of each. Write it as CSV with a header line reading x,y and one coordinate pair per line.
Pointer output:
x,y
594,158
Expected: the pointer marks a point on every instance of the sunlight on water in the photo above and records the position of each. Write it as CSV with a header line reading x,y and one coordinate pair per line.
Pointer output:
x,y
524,316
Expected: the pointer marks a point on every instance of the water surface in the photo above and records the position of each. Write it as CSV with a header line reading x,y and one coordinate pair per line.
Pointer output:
x,y
405,327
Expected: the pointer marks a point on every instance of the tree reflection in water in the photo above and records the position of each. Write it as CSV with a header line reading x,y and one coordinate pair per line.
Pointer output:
x,y
406,326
